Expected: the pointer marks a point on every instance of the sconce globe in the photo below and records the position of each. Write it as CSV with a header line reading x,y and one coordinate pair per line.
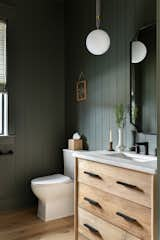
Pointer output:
x,y
139,51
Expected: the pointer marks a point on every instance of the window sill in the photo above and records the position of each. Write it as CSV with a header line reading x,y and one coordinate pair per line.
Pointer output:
x,y
7,136
7,139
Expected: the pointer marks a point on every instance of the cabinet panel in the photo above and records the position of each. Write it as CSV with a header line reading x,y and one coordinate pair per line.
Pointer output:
x,y
95,228
125,214
128,184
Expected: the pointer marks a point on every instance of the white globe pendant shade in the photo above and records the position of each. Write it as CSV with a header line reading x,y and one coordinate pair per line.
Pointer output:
x,y
139,51
98,42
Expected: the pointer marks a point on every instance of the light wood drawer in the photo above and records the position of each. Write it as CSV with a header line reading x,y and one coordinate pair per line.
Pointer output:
x,y
125,214
128,184
81,237
95,228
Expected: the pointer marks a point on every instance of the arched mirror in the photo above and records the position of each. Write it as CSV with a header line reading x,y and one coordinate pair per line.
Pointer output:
x,y
143,80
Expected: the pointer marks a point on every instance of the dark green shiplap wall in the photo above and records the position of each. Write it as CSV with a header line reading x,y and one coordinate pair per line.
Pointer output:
x,y
158,109
36,96
108,76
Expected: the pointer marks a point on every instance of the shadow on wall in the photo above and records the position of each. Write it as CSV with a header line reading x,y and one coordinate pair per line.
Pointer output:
x,y
85,143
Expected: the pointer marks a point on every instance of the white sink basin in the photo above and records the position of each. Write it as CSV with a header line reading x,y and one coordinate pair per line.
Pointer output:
x,y
141,158
130,156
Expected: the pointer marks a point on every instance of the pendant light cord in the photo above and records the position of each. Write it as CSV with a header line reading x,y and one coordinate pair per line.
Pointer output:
x,y
98,13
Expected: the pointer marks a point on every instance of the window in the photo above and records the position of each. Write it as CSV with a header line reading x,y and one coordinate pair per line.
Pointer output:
x,y
3,113
3,81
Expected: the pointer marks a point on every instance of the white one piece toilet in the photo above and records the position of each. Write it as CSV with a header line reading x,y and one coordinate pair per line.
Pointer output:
x,y
56,192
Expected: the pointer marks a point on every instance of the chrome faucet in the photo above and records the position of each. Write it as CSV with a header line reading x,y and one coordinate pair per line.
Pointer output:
x,y
145,144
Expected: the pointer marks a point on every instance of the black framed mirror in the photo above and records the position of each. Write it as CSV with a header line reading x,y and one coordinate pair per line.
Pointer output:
x,y
143,114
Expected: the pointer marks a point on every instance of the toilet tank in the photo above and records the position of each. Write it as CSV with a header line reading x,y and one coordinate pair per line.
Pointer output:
x,y
68,162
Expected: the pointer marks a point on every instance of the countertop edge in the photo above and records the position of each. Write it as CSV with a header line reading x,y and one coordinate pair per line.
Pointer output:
x,y
142,169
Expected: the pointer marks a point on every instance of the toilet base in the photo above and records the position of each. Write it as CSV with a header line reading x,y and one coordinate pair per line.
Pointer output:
x,y
55,210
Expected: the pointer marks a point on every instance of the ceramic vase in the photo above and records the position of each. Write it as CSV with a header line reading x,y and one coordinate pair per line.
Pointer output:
x,y
120,147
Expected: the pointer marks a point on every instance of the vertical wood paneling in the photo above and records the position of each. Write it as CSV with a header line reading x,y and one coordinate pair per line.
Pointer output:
x,y
37,97
158,113
109,75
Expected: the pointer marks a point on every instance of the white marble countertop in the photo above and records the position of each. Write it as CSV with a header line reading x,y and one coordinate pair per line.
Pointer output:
x,y
137,162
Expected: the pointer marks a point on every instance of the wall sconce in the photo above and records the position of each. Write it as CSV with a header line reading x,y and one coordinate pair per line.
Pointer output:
x,y
139,51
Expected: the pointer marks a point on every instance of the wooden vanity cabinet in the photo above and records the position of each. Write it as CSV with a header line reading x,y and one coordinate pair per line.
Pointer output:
x,y
113,203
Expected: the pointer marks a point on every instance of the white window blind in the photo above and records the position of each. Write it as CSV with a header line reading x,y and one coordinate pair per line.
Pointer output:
x,y
2,55
3,80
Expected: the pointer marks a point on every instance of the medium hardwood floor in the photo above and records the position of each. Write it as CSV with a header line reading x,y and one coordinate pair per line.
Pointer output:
x,y
24,225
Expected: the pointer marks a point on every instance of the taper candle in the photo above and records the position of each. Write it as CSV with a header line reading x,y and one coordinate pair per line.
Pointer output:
x,y
110,135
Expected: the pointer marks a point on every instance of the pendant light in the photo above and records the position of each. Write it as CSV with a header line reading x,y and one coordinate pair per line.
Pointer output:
x,y
98,41
139,51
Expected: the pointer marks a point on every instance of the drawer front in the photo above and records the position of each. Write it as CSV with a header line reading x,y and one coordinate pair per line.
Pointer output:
x,y
81,237
131,185
125,214
95,228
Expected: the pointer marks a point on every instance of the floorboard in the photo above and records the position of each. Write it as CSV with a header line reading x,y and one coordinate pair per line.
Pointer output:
x,y
24,225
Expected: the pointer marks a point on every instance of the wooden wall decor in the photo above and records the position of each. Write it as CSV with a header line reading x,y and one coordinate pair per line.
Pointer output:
x,y
81,88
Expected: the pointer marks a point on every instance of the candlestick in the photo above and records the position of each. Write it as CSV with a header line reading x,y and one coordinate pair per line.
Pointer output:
x,y
110,141
110,147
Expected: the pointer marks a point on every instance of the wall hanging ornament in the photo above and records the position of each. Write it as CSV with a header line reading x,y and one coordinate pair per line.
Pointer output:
x,y
81,88
98,41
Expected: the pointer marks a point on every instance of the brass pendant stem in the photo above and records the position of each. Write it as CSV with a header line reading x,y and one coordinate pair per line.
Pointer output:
x,y
98,13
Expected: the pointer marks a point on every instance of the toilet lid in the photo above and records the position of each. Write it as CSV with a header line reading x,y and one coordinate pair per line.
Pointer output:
x,y
56,178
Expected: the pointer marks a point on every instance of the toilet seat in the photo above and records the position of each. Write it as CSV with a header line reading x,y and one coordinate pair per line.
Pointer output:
x,y
52,179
